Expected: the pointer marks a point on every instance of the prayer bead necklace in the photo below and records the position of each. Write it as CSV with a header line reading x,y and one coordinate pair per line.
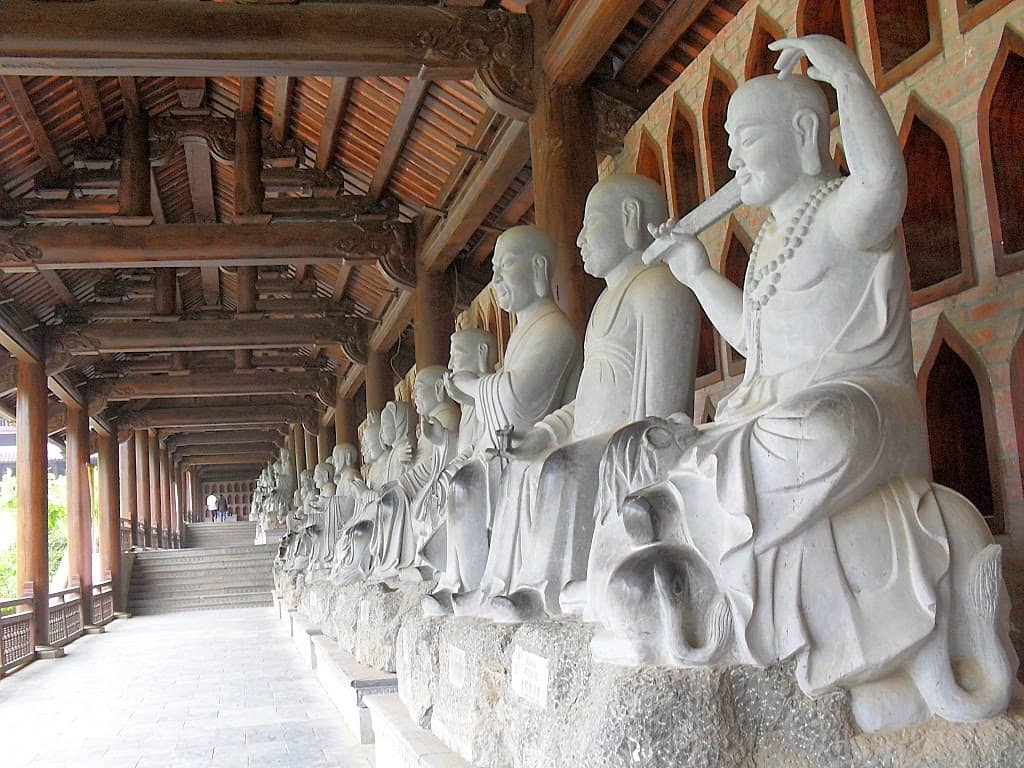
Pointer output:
x,y
798,228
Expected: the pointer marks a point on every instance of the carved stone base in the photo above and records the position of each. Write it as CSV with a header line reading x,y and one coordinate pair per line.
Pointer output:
x,y
529,696
382,608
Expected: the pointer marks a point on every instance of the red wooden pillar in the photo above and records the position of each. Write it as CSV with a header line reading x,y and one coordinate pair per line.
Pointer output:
x,y
165,496
346,430
142,485
129,507
33,549
79,504
380,380
156,514
110,513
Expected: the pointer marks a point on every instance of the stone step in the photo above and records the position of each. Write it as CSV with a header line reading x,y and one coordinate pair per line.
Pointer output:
x,y
151,607
191,556
249,561
200,585
199,593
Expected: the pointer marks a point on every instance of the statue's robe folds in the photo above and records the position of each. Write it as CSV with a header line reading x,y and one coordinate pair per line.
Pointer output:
x,y
540,372
336,511
639,358
808,498
363,490
402,506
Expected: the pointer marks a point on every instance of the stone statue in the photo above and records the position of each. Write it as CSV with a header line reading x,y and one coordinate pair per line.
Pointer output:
x,y
802,524
390,531
407,502
639,360
540,373
329,522
300,523
352,556
473,353
258,506
284,484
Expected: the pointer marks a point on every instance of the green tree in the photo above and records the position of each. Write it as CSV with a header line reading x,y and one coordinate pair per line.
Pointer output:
x,y
57,530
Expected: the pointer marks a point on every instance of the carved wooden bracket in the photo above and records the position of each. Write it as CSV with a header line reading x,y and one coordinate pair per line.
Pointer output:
x,y
614,119
168,131
14,249
277,154
356,343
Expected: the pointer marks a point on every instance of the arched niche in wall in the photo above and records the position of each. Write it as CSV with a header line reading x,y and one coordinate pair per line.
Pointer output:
x,y
935,228
906,34
839,156
1000,132
648,159
1017,397
973,12
760,60
707,414
735,258
716,102
686,183
825,17
960,416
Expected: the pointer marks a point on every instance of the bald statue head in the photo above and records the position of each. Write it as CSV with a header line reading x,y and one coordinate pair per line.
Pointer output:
x,y
428,391
618,211
343,456
370,441
473,351
778,133
524,260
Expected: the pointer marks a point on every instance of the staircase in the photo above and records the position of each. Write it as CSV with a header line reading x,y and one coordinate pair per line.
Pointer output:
x,y
220,569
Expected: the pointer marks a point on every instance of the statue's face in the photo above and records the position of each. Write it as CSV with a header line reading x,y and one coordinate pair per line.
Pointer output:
x,y
424,394
387,429
371,446
764,150
514,285
461,356
602,240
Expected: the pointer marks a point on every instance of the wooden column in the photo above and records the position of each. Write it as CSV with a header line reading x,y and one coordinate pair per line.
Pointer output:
x,y
380,379
324,443
248,164
433,317
299,449
564,158
79,504
246,302
165,495
133,192
196,489
345,428
311,450
110,513
33,548
155,499
142,479
129,505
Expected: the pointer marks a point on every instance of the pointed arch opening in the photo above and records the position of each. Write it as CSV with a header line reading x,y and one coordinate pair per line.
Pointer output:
x,y
973,12
960,417
906,33
735,259
761,61
716,103
1000,127
648,159
935,227
685,181
707,414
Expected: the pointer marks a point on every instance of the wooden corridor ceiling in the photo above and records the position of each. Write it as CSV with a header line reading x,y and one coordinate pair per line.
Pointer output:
x,y
336,148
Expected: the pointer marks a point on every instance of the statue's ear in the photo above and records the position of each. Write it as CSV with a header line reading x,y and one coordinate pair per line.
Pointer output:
x,y
540,275
805,127
481,357
439,391
632,223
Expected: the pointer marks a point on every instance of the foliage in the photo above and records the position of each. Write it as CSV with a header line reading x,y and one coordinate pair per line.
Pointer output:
x,y
56,523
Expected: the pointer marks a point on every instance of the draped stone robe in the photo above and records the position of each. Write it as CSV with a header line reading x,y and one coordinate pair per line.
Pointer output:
x,y
639,358
540,373
807,497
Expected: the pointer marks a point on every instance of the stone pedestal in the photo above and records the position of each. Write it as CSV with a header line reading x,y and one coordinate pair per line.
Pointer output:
x,y
400,743
530,696
382,608
347,683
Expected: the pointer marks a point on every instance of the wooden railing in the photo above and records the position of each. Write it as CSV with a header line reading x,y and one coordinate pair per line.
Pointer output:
x,y
126,535
103,602
17,633
65,621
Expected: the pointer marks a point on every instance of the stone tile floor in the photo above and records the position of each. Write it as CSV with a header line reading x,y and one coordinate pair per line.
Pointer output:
x,y
221,689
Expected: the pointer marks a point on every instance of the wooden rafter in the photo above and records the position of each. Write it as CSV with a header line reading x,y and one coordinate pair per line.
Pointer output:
x,y
412,99
341,87
26,112
89,95
584,36
247,95
282,106
672,24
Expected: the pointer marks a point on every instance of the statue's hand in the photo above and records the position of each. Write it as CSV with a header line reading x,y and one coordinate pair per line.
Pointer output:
x,y
530,444
830,59
432,429
681,250
404,453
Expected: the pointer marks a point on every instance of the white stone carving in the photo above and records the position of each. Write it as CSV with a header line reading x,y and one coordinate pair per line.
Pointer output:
x,y
802,524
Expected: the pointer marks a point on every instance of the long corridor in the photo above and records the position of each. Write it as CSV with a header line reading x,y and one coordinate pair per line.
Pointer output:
x,y
187,690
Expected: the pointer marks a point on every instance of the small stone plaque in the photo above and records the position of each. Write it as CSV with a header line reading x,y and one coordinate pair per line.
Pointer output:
x,y
530,677
456,666
364,611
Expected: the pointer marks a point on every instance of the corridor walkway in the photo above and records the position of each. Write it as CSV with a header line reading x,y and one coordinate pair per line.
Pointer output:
x,y
219,688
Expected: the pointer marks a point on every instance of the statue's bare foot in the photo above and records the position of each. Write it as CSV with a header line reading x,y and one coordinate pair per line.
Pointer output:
x,y
521,605
573,598
466,603
437,604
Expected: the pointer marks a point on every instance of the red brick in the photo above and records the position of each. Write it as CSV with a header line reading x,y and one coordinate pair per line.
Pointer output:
x,y
979,337
989,309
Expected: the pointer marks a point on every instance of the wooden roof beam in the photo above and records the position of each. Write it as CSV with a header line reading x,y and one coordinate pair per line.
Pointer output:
x,y
226,449
238,437
232,416
19,100
27,249
139,37
282,102
672,24
89,95
584,36
336,103
405,119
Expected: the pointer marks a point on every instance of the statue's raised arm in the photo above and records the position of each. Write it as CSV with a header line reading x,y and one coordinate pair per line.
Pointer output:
x,y
872,199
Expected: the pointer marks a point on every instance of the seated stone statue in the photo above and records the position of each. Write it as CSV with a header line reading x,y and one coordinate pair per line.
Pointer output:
x,y
802,524
301,525
475,352
639,357
391,532
353,558
326,529
338,506
539,375
284,483
408,502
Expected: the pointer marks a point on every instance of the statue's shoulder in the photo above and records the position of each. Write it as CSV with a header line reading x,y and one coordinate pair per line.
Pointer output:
x,y
651,287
